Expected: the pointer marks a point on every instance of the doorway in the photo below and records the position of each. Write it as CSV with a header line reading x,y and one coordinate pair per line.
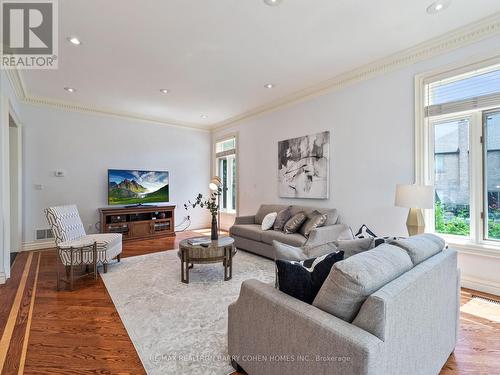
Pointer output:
x,y
15,187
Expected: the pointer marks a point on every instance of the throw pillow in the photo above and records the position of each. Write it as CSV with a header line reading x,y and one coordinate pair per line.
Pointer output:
x,y
353,247
287,252
364,232
268,221
282,217
303,280
314,220
293,225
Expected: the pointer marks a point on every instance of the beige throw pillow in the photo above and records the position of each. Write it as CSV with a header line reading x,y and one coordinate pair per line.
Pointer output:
x,y
293,225
268,221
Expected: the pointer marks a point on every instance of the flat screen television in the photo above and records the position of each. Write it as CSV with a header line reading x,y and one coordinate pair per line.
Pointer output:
x,y
130,187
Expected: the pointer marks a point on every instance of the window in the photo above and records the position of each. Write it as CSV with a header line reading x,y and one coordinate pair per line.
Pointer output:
x,y
226,169
461,133
492,174
451,176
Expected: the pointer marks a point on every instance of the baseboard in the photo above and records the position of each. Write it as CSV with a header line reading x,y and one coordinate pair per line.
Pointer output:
x,y
3,279
38,245
485,286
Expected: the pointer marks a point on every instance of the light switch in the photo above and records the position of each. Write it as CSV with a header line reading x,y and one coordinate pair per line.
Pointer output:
x,y
38,186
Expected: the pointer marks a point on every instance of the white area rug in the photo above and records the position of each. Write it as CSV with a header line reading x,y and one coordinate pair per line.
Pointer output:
x,y
178,328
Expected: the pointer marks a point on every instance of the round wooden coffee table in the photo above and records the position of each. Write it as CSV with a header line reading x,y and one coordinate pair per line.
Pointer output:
x,y
221,250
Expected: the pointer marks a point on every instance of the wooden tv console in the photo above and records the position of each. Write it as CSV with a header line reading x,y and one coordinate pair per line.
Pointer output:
x,y
138,222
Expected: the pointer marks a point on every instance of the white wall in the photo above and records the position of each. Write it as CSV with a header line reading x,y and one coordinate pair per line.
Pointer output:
x,y
372,148
86,145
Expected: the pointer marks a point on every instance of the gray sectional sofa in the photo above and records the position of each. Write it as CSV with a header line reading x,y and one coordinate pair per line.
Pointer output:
x,y
249,236
408,325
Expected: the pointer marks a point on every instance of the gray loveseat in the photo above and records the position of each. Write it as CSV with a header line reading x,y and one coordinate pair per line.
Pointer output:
x,y
408,326
248,235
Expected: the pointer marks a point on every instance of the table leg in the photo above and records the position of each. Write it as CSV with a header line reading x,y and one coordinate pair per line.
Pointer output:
x,y
71,270
94,259
57,270
230,263
184,268
227,264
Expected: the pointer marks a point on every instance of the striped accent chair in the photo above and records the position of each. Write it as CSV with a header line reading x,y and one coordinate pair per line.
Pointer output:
x,y
69,233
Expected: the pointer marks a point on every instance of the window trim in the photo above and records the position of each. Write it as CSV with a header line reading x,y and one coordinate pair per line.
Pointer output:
x,y
223,138
477,243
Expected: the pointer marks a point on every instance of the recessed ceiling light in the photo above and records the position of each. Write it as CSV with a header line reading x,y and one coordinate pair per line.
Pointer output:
x,y
269,85
74,40
164,91
70,89
438,6
204,116
273,2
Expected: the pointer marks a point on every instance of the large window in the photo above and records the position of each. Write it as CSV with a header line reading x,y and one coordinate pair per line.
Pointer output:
x,y
226,169
492,174
462,137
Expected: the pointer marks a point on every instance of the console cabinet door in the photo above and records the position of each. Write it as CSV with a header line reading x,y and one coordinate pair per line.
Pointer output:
x,y
141,229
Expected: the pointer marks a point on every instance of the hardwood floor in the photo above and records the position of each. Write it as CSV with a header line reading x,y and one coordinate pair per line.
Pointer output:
x,y
48,332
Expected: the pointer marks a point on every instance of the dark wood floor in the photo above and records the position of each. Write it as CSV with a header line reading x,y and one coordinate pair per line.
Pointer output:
x,y
48,332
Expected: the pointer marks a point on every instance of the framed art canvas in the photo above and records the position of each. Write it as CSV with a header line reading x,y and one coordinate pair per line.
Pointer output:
x,y
303,166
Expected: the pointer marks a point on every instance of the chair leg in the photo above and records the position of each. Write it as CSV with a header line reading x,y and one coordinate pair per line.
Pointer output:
x,y
105,267
119,257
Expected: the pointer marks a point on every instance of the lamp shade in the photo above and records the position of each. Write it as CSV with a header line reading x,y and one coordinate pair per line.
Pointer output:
x,y
215,182
415,196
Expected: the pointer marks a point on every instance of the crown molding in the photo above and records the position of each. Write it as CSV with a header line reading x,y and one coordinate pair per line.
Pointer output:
x,y
452,40
16,83
68,106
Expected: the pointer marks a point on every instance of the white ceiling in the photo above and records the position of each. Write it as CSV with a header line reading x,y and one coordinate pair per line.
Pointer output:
x,y
216,55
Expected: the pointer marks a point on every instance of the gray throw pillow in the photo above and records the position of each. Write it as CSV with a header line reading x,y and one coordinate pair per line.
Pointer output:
x,y
282,217
293,225
353,247
351,281
287,252
314,220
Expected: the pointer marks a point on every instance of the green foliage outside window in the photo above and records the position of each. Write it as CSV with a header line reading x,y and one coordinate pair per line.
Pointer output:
x,y
457,225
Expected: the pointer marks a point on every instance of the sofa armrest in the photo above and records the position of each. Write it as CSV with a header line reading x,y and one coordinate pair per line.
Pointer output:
x,y
244,220
265,324
329,233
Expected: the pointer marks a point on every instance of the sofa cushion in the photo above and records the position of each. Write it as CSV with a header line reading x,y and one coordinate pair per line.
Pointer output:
x,y
421,247
294,239
250,231
293,225
302,280
268,221
351,281
282,217
265,209
314,220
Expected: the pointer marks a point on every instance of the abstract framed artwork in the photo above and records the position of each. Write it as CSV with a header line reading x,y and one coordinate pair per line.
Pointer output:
x,y
303,166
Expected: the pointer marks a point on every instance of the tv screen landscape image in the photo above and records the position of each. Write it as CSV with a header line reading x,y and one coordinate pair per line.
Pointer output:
x,y
136,187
